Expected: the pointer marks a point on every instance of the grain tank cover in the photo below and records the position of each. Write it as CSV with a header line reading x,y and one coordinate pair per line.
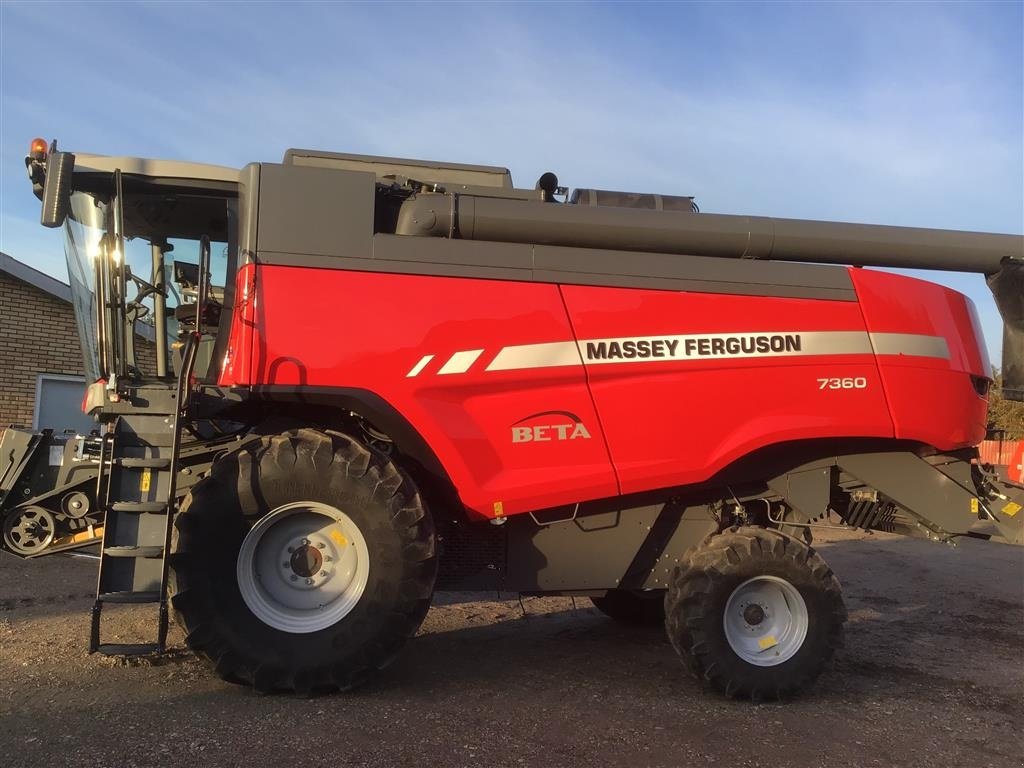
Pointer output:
x,y
600,198
427,171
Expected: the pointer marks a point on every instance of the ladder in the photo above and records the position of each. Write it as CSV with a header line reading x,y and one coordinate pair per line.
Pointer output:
x,y
135,487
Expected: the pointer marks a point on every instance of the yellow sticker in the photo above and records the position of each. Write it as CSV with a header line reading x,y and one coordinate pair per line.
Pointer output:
x,y
338,538
974,506
1012,509
499,509
144,480
766,642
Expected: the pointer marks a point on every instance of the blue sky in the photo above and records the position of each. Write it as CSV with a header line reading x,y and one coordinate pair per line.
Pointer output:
x,y
908,114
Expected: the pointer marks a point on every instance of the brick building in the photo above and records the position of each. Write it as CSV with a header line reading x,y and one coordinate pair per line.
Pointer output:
x,y
41,381
41,378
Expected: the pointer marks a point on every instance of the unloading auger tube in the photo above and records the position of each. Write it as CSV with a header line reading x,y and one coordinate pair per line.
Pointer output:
x,y
999,257
473,217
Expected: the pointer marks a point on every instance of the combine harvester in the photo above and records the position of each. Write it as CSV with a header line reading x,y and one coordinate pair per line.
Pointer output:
x,y
372,378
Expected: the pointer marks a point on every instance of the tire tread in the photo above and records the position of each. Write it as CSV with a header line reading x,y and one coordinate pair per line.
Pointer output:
x,y
343,459
693,622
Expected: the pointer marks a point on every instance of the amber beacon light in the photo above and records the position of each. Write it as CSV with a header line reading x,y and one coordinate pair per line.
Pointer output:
x,y
37,149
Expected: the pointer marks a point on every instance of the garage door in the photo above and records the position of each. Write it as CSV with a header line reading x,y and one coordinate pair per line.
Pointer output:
x,y
59,404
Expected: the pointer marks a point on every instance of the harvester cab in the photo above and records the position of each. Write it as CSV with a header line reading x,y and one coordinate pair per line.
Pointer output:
x,y
134,237
328,386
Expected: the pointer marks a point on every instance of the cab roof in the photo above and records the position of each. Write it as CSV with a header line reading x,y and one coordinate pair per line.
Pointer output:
x,y
166,169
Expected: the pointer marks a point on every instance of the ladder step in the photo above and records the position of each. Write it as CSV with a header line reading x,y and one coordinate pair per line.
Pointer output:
x,y
143,463
136,649
139,506
155,551
129,597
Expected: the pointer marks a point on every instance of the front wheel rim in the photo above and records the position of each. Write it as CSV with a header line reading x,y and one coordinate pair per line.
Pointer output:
x,y
303,567
765,621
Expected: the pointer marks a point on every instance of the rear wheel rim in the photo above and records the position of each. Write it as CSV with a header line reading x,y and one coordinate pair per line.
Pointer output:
x,y
303,567
765,621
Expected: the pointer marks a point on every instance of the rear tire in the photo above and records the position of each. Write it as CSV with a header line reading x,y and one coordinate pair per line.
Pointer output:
x,y
267,633
755,613
633,607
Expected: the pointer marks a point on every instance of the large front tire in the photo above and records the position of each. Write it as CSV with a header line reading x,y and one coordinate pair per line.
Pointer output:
x,y
755,613
302,563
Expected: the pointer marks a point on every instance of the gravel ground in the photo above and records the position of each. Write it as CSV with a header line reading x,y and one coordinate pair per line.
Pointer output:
x,y
932,675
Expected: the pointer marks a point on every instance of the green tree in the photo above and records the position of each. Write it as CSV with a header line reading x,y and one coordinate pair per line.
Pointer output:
x,y
1005,414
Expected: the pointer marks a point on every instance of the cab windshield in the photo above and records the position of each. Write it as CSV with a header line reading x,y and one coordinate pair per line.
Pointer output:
x,y
83,232
134,296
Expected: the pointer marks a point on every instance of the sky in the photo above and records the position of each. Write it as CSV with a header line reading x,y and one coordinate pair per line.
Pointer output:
x,y
907,114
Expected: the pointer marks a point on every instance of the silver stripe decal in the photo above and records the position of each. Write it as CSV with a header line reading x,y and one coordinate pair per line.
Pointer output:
x,y
424,361
551,355
910,344
460,362
708,346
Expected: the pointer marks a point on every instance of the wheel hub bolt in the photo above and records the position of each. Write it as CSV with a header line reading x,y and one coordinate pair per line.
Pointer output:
x,y
321,545
309,581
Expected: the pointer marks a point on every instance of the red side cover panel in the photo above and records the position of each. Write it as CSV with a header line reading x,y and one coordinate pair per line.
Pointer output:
x,y
931,397
423,343
535,395
678,421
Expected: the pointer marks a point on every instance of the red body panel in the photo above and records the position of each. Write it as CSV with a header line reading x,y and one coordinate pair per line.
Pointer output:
x,y
932,400
329,328
236,367
504,381
677,422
